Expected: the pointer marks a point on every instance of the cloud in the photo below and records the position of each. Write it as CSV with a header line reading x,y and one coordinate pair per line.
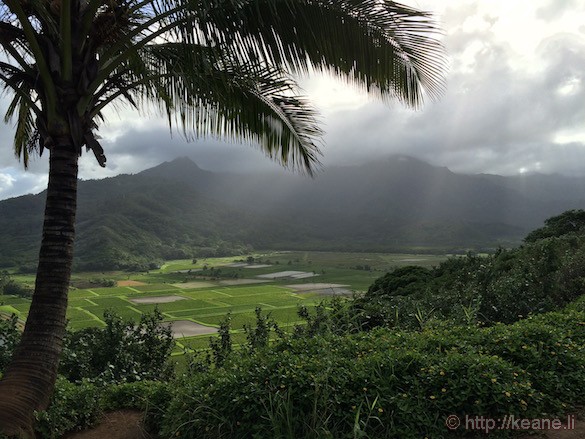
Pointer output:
x,y
495,117
6,181
554,9
515,102
14,182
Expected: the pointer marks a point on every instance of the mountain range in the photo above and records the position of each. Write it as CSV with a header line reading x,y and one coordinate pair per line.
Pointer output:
x,y
398,203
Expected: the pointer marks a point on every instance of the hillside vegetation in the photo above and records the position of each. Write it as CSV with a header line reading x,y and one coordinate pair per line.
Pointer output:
x,y
177,210
501,335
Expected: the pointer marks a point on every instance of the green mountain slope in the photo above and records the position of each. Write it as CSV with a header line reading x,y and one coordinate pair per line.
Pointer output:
x,y
179,210
129,222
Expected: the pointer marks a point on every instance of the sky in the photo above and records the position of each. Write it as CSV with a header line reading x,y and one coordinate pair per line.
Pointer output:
x,y
514,104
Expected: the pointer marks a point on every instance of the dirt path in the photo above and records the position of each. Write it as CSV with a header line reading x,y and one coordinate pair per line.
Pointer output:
x,y
122,424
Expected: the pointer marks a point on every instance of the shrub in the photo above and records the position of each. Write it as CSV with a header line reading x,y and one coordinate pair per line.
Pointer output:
x,y
568,222
12,288
403,281
386,383
73,407
541,276
9,338
77,406
121,352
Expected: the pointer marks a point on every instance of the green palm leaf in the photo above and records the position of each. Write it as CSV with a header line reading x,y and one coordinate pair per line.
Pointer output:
x,y
221,98
220,67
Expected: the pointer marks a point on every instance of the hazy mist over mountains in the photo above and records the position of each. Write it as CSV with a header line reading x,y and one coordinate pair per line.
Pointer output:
x,y
396,204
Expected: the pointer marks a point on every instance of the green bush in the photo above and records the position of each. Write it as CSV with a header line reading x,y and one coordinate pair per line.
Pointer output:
x,y
569,222
121,352
385,383
12,288
9,287
9,338
403,281
77,406
73,407
541,276
382,383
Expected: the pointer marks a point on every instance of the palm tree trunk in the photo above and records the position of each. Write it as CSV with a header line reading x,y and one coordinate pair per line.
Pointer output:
x,y
30,377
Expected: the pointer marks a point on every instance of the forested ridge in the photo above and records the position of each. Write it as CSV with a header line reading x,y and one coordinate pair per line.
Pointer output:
x,y
178,210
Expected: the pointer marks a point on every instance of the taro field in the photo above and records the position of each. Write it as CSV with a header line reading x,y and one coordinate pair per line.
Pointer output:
x,y
196,312
195,296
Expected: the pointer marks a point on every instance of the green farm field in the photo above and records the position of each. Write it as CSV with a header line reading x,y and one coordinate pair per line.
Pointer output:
x,y
203,292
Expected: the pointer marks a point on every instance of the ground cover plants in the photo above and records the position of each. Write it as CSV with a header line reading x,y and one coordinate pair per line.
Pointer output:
x,y
382,383
386,384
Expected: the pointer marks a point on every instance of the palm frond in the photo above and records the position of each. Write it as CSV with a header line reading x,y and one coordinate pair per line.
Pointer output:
x,y
26,135
32,39
23,107
208,96
213,67
388,48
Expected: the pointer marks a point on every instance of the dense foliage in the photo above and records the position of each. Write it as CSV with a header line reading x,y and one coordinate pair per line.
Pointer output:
x,y
356,369
78,406
177,210
493,335
9,338
385,383
123,365
569,222
509,285
123,351
381,383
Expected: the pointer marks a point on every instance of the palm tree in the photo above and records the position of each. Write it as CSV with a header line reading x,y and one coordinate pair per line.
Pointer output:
x,y
212,67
